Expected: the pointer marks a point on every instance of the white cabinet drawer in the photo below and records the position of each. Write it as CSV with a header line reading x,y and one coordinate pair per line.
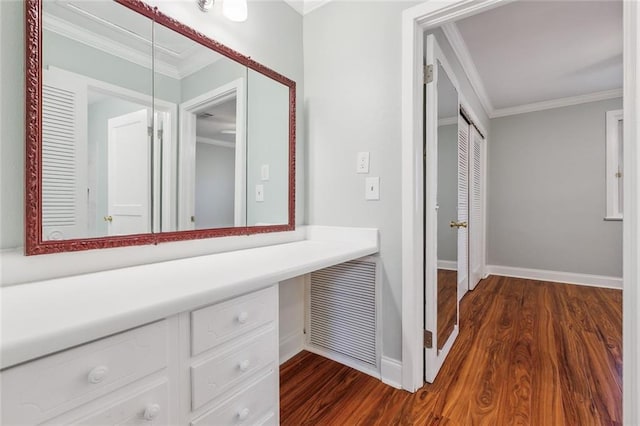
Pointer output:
x,y
222,322
44,388
218,374
148,407
256,405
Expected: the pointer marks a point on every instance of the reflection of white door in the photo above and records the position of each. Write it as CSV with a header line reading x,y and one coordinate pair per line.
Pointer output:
x,y
463,206
129,184
476,207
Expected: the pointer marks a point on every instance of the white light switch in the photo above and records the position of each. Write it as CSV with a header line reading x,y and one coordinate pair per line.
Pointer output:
x,y
363,162
372,191
259,193
264,172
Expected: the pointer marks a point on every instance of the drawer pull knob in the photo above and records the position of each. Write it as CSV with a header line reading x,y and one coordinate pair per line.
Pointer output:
x,y
151,411
243,317
98,374
243,414
244,365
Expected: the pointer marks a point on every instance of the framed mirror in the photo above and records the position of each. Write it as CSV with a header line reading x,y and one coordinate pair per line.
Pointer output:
x,y
141,130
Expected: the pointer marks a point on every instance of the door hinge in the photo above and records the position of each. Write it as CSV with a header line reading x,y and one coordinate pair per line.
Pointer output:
x,y
428,339
160,133
150,131
428,74
619,174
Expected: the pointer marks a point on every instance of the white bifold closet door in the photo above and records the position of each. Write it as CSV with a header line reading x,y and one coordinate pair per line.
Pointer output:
x,y
463,206
476,207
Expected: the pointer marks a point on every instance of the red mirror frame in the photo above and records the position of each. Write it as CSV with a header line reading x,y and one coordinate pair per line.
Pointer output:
x,y
34,243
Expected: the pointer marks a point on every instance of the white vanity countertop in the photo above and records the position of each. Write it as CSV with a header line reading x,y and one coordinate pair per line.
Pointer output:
x,y
44,317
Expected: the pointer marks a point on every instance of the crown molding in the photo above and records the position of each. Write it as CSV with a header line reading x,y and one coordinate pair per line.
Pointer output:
x,y
557,103
216,142
461,51
306,6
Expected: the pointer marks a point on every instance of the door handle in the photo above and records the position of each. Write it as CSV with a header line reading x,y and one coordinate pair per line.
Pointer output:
x,y
454,224
108,219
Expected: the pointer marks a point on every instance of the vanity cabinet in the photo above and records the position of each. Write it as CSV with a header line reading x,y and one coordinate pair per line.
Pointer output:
x,y
229,372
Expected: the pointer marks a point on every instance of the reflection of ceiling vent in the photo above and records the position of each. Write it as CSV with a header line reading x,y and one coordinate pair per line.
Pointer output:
x,y
205,115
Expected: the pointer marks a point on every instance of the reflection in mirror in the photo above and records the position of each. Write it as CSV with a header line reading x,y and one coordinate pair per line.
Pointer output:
x,y
207,189
267,151
447,206
96,112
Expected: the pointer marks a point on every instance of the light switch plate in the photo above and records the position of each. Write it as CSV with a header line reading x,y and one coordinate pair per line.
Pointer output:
x,y
372,190
362,162
259,193
264,172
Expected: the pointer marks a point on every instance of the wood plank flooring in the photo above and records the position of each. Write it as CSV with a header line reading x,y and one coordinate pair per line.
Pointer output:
x,y
528,353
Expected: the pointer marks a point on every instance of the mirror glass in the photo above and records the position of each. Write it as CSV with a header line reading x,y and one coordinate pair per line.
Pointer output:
x,y
148,129
202,154
447,206
96,111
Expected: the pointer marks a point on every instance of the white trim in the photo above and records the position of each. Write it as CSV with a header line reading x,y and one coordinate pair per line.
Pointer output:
x,y
305,6
630,225
188,110
216,142
461,51
556,276
447,121
557,103
391,372
613,166
448,265
290,346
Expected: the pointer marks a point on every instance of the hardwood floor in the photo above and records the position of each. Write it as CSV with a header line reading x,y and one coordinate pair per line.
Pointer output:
x,y
528,353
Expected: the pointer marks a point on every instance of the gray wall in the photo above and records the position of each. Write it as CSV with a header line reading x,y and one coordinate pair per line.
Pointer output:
x,y
215,186
546,192
353,103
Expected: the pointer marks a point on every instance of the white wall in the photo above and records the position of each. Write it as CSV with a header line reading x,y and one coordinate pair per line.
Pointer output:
x,y
272,35
546,192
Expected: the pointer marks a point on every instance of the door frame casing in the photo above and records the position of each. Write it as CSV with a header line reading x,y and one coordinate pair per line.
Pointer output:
x,y
430,14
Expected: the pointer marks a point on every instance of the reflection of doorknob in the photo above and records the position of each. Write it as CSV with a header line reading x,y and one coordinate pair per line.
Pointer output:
x,y
454,224
108,219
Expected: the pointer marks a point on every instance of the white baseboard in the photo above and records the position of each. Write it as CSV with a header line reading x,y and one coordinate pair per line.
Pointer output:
x,y
391,372
344,360
556,276
449,265
290,346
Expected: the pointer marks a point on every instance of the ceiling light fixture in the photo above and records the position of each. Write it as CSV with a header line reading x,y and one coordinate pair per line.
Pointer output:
x,y
233,10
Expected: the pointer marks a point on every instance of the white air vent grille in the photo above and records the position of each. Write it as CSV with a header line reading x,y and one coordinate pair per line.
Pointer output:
x,y
342,314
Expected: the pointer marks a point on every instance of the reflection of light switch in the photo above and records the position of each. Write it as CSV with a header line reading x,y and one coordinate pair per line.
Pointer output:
x,y
259,193
363,162
372,191
264,172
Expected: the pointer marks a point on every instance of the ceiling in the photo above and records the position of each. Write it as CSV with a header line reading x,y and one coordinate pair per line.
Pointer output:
x,y
529,55
215,124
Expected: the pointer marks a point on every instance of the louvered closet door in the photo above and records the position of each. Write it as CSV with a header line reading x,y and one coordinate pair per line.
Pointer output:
x,y
476,208
64,157
463,206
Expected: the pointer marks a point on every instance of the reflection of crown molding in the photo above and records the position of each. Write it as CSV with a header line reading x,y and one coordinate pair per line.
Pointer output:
x,y
557,103
216,142
448,121
461,50
74,32
305,6
84,36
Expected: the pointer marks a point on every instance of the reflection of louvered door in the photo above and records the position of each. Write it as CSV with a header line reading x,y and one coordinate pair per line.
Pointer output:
x,y
463,205
476,237
64,157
